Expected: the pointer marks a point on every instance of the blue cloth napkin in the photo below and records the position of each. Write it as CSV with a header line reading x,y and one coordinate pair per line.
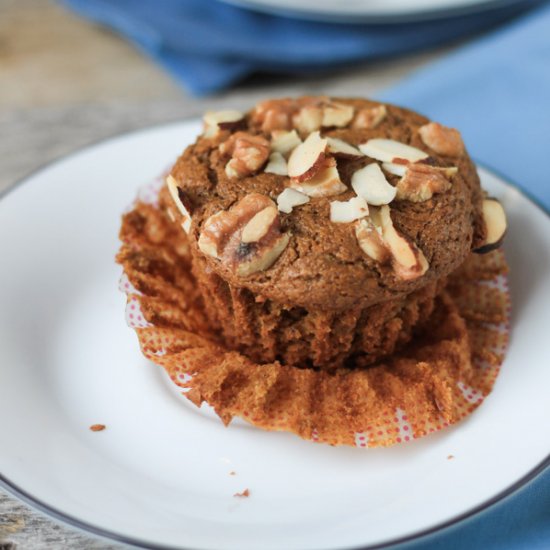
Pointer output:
x,y
496,91
208,45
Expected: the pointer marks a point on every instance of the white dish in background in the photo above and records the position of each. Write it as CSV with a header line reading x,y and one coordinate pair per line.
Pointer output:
x,y
373,11
159,475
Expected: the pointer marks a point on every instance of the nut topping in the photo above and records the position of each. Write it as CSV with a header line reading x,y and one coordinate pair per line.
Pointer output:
x,y
181,201
342,149
367,119
495,224
336,115
348,211
276,165
248,154
422,181
388,150
308,158
407,259
247,237
274,114
259,225
379,239
371,184
395,169
308,119
214,121
371,242
284,142
325,183
290,198
443,140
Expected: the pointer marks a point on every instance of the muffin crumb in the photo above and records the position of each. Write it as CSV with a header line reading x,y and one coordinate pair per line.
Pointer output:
x,y
97,427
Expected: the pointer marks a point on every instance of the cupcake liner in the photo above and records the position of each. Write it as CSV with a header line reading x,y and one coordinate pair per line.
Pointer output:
x,y
433,382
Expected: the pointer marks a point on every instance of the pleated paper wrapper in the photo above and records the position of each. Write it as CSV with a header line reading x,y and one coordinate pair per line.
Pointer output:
x,y
437,380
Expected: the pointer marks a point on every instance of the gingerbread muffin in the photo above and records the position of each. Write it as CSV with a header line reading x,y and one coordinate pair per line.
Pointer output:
x,y
321,230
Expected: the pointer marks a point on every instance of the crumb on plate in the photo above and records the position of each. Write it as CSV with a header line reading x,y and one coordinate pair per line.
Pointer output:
x,y
97,427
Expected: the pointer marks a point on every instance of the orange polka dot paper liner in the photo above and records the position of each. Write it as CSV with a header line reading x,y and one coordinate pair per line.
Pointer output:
x,y
436,381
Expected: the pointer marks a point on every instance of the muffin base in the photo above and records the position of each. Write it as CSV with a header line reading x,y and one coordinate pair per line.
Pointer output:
x,y
431,383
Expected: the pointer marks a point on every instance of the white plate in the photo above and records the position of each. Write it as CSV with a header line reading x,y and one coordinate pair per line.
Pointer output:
x,y
372,11
159,473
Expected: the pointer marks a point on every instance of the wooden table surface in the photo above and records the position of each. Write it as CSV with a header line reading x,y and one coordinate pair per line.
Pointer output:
x,y
65,83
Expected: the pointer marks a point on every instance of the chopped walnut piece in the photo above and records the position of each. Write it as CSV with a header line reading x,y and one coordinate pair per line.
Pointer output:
x,y
422,181
274,114
247,237
443,140
275,119
245,493
259,225
367,119
248,154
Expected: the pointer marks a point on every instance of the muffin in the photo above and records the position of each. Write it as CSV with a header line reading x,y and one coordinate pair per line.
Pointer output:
x,y
321,231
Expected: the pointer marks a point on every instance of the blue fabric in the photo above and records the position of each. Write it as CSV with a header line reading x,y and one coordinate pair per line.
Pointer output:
x,y
520,522
496,91
208,45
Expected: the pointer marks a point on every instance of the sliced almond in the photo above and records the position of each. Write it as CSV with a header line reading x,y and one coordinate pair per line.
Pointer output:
x,y
308,119
290,198
283,141
369,238
370,118
308,158
178,196
387,150
408,260
395,169
348,211
337,115
225,120
495,223
326,183
259,225
276,165
371,184
340,148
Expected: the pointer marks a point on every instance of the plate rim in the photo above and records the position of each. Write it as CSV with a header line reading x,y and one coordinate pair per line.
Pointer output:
x,y
52,512
359,17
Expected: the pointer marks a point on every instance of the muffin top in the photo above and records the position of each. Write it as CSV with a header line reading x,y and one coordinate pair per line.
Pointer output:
x,y
328,202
